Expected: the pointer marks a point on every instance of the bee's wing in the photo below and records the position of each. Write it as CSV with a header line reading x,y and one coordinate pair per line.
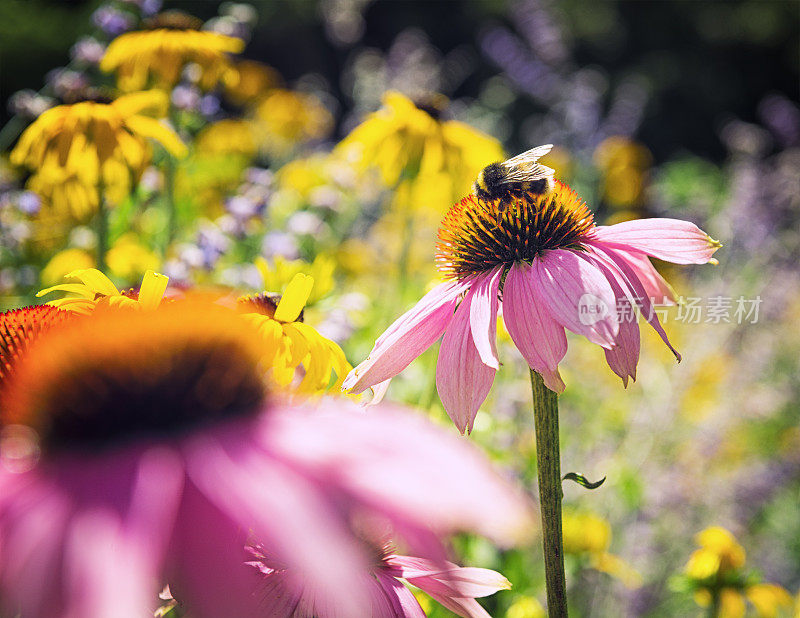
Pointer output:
x,y
529,156
527,173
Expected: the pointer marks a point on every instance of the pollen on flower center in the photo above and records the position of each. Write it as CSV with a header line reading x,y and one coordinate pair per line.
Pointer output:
x,y
173,20
20,328
264,303
475,235
123,374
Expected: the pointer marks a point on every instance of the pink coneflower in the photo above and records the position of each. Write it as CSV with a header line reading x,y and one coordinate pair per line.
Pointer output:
x,y
140,448
543,259
285,593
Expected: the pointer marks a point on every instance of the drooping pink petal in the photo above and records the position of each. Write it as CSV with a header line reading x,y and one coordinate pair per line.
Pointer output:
x,y
672,240
462,378
403,603
452,586
408,337
278,593
655,286
378,393
483,316
85,534
34,518
624,356
468,608
300,524
446,578
380,458
577,295
629,278
106,573
539,338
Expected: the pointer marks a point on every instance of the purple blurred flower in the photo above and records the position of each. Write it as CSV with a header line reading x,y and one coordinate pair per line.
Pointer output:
x,y
528,72
243,208
304,222
112,21
213,244
209,105
147,7
186,97
280,243
782,116
87,50
259,176
66,83
29,203
29,103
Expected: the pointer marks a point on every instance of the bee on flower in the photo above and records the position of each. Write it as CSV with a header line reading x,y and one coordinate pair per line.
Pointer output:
x,y
543,259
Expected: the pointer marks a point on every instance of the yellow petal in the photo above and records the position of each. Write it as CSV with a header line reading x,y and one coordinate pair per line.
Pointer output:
x,y
152,289
95,280
71,288
154,102
294,298
152,128
731,604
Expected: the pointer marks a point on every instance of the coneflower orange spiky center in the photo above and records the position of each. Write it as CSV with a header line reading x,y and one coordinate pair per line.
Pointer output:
x,y
122,374
478,235
19,328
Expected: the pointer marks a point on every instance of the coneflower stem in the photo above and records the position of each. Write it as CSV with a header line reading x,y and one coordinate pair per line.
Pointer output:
x,y
545,415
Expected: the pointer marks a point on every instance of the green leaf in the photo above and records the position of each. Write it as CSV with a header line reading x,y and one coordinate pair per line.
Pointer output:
x,y
582,480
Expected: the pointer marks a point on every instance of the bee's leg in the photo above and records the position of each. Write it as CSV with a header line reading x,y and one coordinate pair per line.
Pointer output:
x,y
501,209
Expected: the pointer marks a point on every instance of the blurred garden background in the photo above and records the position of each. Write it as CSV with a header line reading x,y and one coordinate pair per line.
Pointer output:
x,y
656,109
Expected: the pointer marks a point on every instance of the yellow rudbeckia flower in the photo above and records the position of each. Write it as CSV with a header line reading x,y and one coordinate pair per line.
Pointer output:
x,y
226,137
87,134
251,80
716,572
159,55
279,272
74,150
95,289
287,118
408,140
73,194
289,343
719,554
589,535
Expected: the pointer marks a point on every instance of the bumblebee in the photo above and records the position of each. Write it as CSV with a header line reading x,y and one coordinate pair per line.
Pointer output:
x,y
510,179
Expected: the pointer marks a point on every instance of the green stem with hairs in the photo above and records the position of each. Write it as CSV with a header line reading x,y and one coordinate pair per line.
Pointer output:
x,y
545,415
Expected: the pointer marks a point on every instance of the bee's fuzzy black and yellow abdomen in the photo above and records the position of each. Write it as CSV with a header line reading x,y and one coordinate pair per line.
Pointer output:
x,y
493,184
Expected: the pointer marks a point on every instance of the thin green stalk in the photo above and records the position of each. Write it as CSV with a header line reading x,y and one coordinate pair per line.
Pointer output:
x,y
545,415
172,210
714,606
101,220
